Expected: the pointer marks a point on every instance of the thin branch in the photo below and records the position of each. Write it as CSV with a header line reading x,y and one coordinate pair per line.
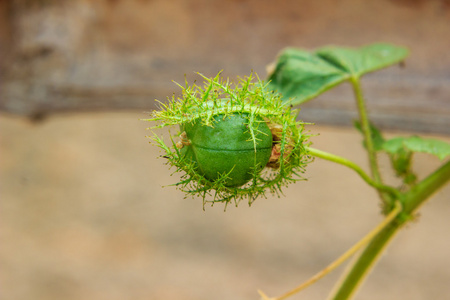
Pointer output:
x,y
350,252
355,167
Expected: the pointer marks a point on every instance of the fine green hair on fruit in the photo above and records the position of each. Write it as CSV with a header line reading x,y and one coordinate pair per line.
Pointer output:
x,y
235,141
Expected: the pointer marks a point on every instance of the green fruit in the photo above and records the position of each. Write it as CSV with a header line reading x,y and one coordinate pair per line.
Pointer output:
x,y
227,147
231,131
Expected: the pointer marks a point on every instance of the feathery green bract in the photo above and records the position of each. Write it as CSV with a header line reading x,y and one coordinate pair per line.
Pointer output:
x,y
218,96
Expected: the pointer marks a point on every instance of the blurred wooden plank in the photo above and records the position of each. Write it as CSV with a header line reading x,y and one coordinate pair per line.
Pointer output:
x,y
68,56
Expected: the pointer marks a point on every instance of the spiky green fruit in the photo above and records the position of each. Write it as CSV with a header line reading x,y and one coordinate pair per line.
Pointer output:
x,y
235,141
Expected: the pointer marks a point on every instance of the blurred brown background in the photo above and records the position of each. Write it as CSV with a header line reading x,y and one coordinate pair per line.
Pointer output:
x,y
84,213
89,55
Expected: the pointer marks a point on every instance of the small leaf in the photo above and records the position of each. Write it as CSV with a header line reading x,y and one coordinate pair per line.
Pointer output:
x,y
300,76
377,137
357,62
401,161
417,144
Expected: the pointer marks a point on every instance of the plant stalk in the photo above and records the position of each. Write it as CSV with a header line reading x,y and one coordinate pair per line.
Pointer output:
x,y
367,238
411,202
355,167
365,128
426,188
347,287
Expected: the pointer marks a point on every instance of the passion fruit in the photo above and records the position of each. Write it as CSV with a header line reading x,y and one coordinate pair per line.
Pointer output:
x,y
235,141
232,148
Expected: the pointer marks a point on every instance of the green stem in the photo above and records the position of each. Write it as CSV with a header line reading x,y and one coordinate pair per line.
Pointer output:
x,y
353,166
424,189
367,132
365,127
353,279
411,201
350,252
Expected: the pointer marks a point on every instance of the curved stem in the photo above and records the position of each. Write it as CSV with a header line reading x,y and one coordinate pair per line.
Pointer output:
x,y
353,166
358,271
411,202
424,189
365,127
350,252
367,132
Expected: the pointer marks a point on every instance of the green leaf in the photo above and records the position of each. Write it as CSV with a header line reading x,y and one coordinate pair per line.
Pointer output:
x,y
357,62
401,162
417,144
300,76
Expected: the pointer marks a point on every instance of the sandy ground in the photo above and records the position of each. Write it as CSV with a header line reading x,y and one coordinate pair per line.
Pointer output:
x,y
86,213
